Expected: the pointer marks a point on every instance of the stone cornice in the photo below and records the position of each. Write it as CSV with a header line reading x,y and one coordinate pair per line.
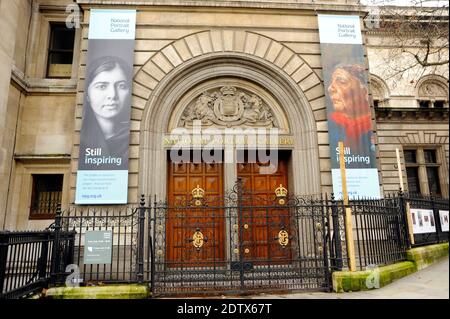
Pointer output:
x,y
53,159
18,78
42,156
37,85
388,114
263,4
53,8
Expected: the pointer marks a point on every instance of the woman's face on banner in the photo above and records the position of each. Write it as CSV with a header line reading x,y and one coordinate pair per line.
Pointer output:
x,y
347,93
108,93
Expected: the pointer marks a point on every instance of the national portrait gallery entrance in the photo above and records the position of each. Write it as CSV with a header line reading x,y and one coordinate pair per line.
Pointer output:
x,y
225,147
227,159
200,147
254,236
204,182
232,219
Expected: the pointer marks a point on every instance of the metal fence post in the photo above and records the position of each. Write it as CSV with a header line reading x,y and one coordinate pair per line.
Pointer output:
x,y
42,262
56,258
152,248
4,236
239,185
325,237
404,214
336,234
436,218
140,274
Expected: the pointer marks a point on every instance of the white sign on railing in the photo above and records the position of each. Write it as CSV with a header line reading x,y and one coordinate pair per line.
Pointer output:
x,y
443,215
423,221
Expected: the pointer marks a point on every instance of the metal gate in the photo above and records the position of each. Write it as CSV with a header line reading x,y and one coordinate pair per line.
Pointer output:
x,y
240,243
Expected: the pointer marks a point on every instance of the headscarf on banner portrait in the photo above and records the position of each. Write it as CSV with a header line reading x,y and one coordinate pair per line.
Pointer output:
x,y
351,112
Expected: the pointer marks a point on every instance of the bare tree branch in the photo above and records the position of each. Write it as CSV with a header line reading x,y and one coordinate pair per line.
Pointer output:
x,y
416,36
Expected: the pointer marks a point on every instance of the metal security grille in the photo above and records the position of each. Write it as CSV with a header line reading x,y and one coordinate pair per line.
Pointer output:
x,y
46,195
240,243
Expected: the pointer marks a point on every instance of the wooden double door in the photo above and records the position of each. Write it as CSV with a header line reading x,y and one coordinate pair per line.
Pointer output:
x,y
195,235
261,217
259,220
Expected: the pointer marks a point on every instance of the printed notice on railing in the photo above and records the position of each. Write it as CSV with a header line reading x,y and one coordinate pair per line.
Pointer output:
x,y
423,221
97,247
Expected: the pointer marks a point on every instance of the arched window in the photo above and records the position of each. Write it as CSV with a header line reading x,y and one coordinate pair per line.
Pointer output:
x,y
380,92
432,92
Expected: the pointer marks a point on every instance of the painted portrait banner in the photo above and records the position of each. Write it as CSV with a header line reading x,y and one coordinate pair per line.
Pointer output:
x,y
348,110
102,176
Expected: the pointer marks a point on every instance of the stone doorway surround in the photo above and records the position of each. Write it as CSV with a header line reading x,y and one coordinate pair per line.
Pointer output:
x,y
249,59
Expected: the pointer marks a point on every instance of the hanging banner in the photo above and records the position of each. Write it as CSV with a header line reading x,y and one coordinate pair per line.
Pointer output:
x,y
102,176
348,110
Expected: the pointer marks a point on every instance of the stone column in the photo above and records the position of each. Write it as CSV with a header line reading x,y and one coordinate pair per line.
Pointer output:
x,y
229,167
9,14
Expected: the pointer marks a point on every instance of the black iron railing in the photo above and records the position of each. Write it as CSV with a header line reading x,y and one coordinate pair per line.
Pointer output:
x,y
29,261
379,231
126,228
435,213
233,244
243,242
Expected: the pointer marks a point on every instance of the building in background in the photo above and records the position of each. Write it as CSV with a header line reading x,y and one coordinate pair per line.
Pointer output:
x,y
186,51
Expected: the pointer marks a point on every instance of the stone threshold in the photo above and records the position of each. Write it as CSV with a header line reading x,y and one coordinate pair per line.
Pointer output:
x,y
100,292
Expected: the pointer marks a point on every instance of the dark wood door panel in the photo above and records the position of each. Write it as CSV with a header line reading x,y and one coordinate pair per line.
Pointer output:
x,y
262,225
183,221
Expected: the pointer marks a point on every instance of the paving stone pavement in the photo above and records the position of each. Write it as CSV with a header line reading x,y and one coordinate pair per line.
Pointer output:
x,y
429,283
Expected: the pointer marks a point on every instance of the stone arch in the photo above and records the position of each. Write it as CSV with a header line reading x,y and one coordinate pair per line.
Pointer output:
x,y
380,90
246,55
432,87
278,116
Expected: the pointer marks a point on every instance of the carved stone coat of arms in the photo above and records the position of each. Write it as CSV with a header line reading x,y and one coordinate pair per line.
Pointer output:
x,y
228,107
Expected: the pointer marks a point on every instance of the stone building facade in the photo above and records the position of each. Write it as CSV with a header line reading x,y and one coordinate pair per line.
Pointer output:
x,y
267,49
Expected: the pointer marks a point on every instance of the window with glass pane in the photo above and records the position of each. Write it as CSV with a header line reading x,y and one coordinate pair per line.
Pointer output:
x,y
433,180
439,104
430,156
410,156
413,180
60,53
46,195
424,104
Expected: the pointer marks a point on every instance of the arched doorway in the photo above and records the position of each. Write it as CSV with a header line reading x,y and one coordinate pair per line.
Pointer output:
x,y
207,79
157,119
242,124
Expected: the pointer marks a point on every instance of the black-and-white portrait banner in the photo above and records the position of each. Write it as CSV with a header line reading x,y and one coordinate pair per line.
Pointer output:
x,y
102,176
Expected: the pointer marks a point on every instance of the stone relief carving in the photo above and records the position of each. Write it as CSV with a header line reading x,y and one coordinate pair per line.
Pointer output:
x,y
377,91
432,89
228,107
